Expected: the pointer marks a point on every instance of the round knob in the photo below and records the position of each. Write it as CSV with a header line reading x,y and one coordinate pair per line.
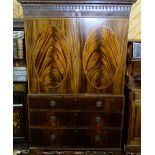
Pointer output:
x,y
53,137
52,103
99,104
110,153
98,119
131,153
53,118
78,153
97,138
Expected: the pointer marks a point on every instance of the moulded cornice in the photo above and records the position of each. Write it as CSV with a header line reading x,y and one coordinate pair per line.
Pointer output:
x,y
77,1
77,8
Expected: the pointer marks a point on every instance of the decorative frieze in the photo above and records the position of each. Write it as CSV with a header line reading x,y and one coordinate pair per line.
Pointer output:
x,y
76,10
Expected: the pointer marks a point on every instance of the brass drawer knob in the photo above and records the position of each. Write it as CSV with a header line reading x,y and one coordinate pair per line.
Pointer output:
x,y
99,104
97,138
52,103
53,118
53,137
75,114
79,153
98,119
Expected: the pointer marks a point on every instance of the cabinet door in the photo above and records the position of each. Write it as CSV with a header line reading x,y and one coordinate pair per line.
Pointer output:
x,y
76,55
102,46
50,46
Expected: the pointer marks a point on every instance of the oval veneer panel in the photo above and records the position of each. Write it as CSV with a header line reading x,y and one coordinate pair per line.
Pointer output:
x,y
51,57
101,57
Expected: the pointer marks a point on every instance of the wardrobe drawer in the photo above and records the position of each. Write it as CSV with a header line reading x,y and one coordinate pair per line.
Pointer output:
x,y
75,138
108,103
84,119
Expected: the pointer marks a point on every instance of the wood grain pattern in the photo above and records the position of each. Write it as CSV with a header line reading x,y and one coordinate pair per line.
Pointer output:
x,y
115,50
101,57
75,117
50,119
51,61
83,138
98,42
51,57
73,81
74,103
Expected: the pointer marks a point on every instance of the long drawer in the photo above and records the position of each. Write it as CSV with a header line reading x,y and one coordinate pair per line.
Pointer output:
x,y
75,120
109,103
75,138
84,119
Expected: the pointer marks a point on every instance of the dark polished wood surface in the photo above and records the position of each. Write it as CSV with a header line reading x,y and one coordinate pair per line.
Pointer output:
x,y
76,59
76,102
76,110
82,55
75,138
72,119
75,117
77,8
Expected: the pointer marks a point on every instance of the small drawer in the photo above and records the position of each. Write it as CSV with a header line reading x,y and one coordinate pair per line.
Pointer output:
x,y
70,119
19,87
75,138
104,103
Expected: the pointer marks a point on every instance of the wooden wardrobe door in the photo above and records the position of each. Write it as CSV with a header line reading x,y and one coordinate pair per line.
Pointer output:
x,y
50,45
102,46
76,55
